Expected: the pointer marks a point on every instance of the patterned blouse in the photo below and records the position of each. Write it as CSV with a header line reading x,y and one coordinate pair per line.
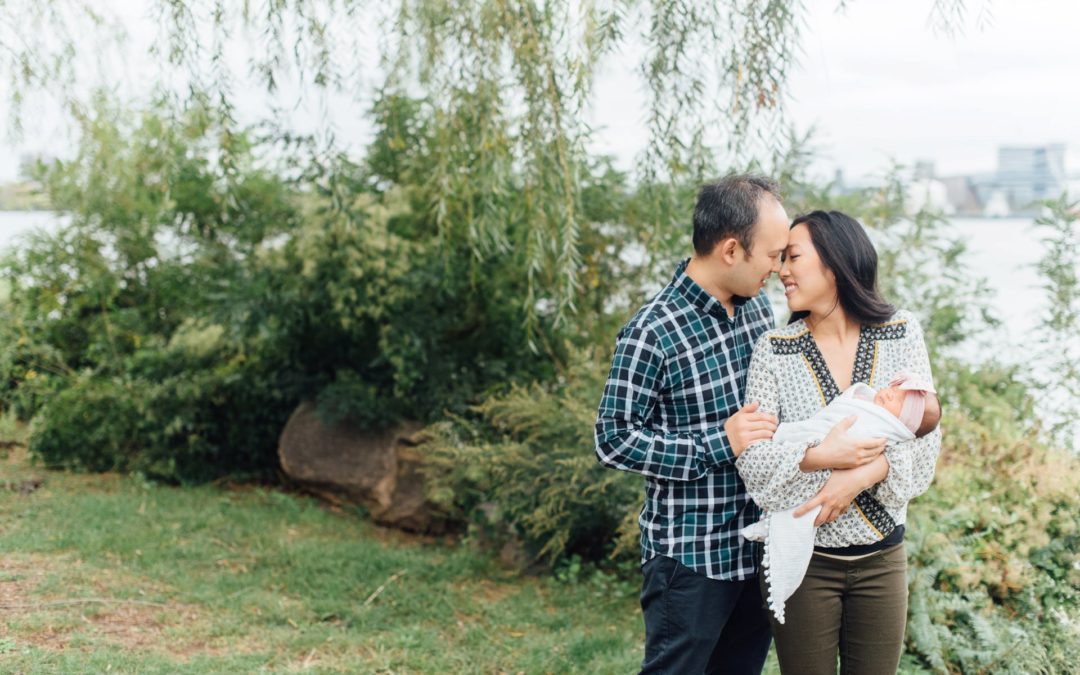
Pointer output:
x,y
789,377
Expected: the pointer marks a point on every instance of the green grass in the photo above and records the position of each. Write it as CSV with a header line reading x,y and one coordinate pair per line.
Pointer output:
x,y
216,580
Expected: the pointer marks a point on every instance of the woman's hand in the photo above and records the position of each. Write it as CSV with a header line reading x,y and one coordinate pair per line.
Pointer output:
x,y
842,488
841,451
748,426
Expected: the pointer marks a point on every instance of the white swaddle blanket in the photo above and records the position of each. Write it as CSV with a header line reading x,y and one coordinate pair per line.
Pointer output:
x,y
789,541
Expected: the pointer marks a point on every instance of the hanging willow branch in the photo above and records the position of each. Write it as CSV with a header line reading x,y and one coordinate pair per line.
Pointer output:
x,y
504,86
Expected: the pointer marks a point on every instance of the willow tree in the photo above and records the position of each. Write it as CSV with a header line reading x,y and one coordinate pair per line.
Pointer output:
x,y
505,84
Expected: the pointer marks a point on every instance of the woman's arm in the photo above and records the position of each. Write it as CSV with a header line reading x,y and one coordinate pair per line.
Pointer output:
x,y
839,450
842,488
770,469
911,463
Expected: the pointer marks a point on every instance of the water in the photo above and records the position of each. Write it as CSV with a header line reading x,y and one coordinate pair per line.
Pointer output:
x,y
1005,252
15,225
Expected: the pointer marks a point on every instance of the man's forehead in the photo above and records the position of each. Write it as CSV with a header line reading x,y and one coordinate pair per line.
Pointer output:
x,y
780,239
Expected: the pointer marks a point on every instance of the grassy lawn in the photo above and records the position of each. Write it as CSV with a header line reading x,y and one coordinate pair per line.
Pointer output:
x,y
107,573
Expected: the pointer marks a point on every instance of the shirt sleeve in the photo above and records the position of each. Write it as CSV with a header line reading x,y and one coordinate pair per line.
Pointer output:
x,y
770,469
911,463
625,438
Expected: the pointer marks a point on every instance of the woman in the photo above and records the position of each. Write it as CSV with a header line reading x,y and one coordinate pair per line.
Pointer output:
x,y
853,599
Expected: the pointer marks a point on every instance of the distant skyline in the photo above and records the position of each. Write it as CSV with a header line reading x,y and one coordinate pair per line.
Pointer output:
x,y
876,82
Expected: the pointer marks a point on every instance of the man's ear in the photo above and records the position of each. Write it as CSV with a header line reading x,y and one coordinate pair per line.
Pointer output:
x,y
728,250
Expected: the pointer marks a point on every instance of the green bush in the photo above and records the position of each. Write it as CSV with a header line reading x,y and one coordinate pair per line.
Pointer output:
x,y
520,467
994,553
195,410
88,426
332,285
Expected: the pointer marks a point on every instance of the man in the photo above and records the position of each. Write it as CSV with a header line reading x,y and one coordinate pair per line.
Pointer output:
x,y
670,411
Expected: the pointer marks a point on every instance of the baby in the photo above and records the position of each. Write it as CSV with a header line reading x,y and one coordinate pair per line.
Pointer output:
x,y
908,408
910,400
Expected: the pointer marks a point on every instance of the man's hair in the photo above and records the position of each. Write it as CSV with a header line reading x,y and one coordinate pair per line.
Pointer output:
x,y
931,416
729,208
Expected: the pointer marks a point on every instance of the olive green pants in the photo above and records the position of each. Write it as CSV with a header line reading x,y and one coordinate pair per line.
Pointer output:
x,y
852,608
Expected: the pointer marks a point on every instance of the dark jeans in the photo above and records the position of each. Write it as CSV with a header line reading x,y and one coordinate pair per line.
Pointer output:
x,y
694,624
852,608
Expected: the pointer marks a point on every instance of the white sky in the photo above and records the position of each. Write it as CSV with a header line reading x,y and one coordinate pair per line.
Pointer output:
x,y
878,83
875,80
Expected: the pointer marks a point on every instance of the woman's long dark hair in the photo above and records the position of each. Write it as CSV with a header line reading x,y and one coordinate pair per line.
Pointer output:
x,y
844,248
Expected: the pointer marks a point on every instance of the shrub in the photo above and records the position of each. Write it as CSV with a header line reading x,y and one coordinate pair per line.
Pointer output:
x,y
521,464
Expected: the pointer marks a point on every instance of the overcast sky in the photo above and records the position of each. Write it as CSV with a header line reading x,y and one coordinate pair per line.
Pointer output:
x,y
878,83
875,80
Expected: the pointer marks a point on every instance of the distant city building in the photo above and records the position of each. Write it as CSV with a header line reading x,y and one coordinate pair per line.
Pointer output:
x,y
997,205
1030,174
1025,176
927,192
961,194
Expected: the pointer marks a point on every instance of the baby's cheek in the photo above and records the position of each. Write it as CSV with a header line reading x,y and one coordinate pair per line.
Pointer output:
x,y
896,403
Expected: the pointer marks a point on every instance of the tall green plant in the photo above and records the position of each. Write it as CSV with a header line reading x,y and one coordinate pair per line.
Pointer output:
x,y
1059,365
507,85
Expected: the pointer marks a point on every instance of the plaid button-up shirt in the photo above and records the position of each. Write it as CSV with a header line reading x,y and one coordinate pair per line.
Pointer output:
x,y
678,373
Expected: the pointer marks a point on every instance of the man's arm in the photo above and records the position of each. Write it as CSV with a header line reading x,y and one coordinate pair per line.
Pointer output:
x,y
624,437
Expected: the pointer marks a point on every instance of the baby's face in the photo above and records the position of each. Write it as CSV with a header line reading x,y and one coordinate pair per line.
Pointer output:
x,y
891,398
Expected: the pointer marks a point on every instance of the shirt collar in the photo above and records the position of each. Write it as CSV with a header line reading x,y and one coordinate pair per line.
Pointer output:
x,y
699,297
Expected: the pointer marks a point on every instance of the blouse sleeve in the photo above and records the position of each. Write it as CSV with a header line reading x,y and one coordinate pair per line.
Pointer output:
x,y
911,463
769,469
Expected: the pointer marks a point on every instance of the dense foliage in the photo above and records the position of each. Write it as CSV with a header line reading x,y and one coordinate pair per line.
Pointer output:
x,y
188,302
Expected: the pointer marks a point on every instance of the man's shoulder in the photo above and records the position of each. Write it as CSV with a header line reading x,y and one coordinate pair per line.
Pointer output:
x,y
656,317
762,317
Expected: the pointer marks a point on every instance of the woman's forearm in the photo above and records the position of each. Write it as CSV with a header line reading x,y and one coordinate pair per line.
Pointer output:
x,y
873,472
841,453
815,459
864,476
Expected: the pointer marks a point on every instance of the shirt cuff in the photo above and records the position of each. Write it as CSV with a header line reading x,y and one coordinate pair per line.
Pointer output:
x,y
718,450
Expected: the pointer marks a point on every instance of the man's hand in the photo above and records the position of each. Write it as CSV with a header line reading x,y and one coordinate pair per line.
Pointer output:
x,y
835,497
748,426
841,451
